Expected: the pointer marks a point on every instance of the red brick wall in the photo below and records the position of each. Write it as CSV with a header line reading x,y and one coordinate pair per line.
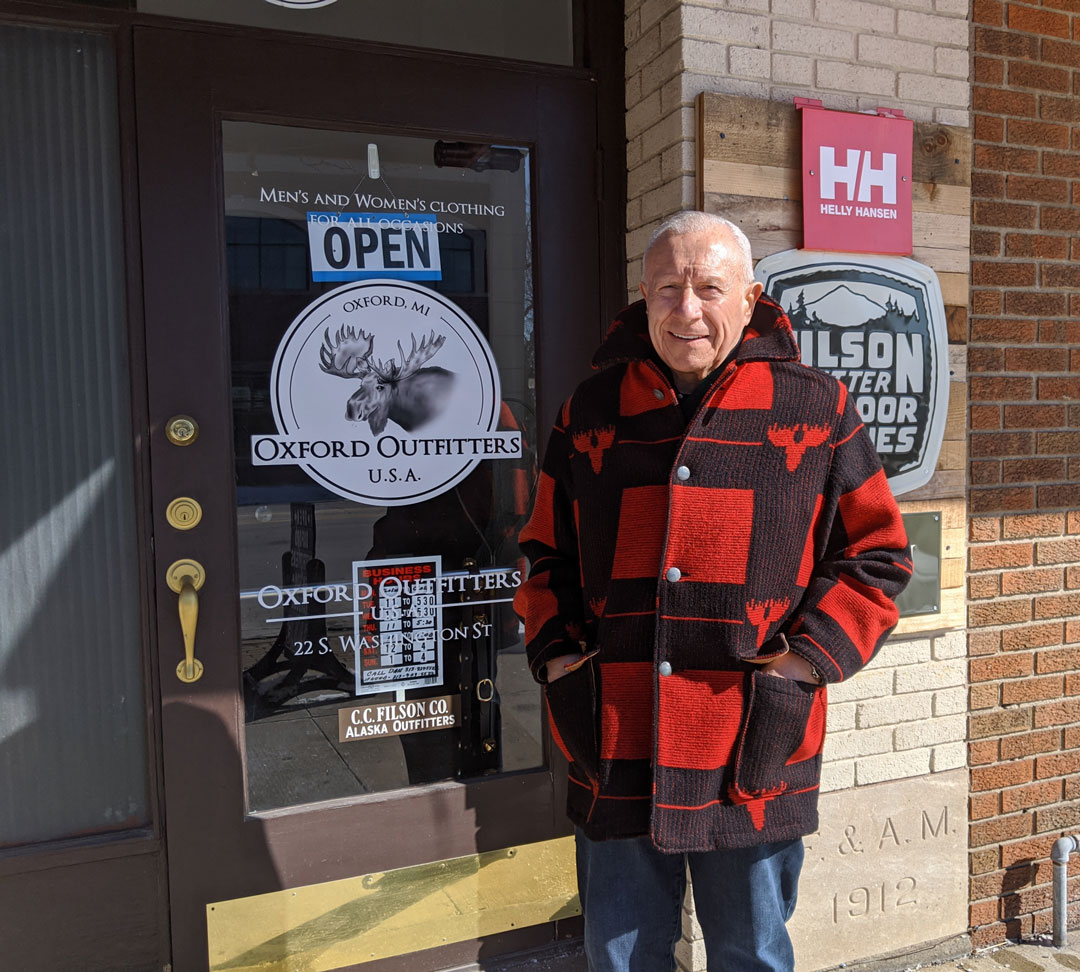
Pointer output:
x,y
1024,415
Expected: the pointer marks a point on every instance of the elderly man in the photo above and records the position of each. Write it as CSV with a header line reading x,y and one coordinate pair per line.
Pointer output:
x,y
713,541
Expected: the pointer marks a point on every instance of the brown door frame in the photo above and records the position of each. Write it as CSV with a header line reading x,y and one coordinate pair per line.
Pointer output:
x,y
190,77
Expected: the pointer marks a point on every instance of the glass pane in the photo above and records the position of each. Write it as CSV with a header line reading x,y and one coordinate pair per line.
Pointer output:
x,y
380,309
72,711
530,30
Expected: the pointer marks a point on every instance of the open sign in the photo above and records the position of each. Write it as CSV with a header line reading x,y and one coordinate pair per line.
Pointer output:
x,y
361,246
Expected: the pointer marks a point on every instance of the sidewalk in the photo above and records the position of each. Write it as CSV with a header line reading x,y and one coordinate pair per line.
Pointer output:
x,y
1037,956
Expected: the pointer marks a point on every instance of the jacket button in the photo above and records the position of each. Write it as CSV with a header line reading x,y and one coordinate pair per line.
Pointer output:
x,y
658,392
665,668
673,574
683,473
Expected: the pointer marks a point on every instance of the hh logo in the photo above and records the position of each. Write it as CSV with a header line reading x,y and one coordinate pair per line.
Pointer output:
x,y
857,172
796,439
594,442
763,614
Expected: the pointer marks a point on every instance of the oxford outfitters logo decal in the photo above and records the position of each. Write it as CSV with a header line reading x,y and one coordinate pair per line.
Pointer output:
x,y
878,325
386,393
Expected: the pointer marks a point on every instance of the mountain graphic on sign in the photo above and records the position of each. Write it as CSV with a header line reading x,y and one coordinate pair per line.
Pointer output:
x,y
845,307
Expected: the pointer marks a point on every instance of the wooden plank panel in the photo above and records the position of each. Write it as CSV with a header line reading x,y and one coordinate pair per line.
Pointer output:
x,y
953,511
776,182
956,419
944,230
771,225
942,260
946,483
953,455
952,574
735,128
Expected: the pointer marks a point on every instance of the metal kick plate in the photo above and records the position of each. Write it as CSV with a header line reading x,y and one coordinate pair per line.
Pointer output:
x,y
326,926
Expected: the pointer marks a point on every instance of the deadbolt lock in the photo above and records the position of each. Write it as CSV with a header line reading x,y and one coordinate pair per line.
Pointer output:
x,y
183,513
181,430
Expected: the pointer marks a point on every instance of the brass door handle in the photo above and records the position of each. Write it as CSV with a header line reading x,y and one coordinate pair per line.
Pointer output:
x,y
186,577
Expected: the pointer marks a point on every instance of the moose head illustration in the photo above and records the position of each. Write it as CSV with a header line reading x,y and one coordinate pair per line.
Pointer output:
x,y
406,393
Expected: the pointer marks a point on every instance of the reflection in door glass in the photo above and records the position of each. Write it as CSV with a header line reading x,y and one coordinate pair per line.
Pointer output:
x,y
380,310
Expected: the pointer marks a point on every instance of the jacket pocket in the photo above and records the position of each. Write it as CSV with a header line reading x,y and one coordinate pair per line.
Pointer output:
x,y
572,708
777,713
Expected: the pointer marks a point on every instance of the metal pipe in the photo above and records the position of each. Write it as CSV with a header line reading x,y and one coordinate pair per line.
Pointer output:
x,y
1059,854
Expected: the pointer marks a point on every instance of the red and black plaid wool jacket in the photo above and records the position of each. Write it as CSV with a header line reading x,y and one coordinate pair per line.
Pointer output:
x,y
681,557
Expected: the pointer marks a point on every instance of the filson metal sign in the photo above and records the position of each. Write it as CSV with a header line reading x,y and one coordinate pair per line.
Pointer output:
x,y
878,325
856,180
386,393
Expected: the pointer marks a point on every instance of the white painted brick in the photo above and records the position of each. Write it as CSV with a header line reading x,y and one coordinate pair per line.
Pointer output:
x,y
952,116
636,240
725,26
739,86
633,90
952,61
953,644
643,50
917,112
671,95
939,30
804,39
667,64
632,27
667,131
950,701
792,69
931,732
853,13
892,766
671,27
633,152
839,716
704,56
662,202
950,756
837,776
633,213
691,927
858,742
893,710
796,9
759,5
690,955
903,653
874,49
865,685
748,62
857,78
932,675
654,10
938,91
644,114
952,8
645,177
680,159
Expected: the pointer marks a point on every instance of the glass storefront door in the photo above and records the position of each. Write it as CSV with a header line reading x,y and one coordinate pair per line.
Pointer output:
x,y
383,390
370,279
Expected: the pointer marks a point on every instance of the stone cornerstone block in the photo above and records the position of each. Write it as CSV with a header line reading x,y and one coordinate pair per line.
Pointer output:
x,y
887,870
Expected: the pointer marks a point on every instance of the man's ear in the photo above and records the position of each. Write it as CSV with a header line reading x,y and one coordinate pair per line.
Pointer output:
x,y
644,292
753,292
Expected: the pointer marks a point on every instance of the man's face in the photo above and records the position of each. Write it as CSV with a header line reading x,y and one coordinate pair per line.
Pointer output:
x,y
697,302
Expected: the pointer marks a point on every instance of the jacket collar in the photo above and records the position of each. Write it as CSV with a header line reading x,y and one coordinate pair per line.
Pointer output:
x,y
767,337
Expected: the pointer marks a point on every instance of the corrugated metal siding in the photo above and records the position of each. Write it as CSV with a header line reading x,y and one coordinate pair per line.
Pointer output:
x,y
72,724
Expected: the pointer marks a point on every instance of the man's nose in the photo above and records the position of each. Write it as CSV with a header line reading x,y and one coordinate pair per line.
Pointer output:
x,y
689,303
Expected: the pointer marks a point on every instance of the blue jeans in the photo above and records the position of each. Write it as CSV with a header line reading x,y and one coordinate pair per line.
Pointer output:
x,y
631,896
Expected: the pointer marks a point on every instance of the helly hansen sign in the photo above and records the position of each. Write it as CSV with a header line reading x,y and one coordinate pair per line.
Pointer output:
x,y
856,180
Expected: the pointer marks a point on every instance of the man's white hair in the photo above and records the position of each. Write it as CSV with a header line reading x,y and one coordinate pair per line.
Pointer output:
x,y
694,221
